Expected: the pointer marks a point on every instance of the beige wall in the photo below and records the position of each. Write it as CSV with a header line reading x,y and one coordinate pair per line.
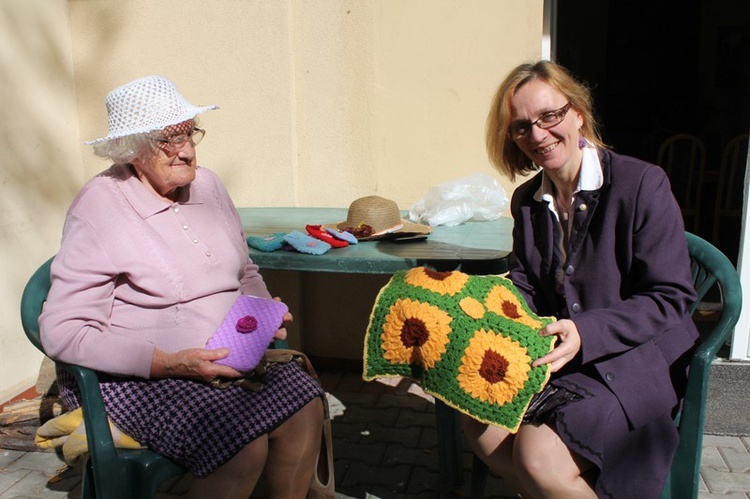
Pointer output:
x,y
321,102
40,164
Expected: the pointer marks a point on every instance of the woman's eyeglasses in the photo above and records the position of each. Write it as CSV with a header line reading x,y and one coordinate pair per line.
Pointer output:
x,y
545,121
174,144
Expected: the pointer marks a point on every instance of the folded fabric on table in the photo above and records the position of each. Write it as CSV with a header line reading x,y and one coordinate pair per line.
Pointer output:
x,y
306,244
470,340
342,234
318,232
268,243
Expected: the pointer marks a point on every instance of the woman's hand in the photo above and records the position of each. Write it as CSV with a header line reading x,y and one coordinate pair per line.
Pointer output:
x,y
281,333
568,344
194,363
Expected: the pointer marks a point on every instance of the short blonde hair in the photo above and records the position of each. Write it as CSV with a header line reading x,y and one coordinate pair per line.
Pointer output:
x,y
503,152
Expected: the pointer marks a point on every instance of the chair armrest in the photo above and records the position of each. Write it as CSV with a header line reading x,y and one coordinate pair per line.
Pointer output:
x,y
100,443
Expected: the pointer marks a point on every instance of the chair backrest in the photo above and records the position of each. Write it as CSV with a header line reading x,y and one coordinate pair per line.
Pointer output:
x,y
32,301
731,188
683,158
710,267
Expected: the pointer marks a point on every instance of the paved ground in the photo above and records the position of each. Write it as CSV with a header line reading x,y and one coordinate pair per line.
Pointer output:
x,y
384,446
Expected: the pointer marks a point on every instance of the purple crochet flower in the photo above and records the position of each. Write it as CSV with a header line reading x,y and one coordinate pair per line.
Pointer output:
x,y
247,324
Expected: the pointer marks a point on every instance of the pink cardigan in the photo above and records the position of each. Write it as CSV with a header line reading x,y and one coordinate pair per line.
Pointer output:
x,y
135,273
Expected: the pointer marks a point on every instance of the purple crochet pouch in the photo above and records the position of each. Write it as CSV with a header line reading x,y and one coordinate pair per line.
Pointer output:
x,y
248,330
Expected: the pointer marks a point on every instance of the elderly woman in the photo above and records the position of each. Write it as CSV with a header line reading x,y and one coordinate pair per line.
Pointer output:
x,y
153,256
599,243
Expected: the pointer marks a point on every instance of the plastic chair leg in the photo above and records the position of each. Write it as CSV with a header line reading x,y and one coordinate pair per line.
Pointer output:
x,y
87,485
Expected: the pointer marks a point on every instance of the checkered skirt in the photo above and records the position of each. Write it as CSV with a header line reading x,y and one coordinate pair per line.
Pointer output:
x,y
194,424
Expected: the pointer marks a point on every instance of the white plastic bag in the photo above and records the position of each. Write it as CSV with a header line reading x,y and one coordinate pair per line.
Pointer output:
x,y
475,197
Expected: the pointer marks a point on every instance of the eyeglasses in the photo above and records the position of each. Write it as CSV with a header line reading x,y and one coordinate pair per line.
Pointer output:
x,y
545,121
176,143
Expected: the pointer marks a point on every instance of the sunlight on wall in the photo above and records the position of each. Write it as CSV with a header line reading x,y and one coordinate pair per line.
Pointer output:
x,y
320,103
40,163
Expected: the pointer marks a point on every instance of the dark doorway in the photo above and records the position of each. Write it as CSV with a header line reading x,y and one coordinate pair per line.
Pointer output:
x,y
664,67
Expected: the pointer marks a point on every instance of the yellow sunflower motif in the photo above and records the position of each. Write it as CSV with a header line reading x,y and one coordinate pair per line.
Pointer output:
x,y
472,307
444,283
415,333
503,302
494,368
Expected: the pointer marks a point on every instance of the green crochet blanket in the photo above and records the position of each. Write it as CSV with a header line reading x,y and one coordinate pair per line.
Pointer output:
x,y
470,341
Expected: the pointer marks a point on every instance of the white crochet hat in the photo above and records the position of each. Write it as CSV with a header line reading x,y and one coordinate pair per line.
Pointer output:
x,y
147,104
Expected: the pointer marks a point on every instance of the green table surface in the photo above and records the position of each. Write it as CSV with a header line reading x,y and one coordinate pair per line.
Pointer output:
x,y
477,247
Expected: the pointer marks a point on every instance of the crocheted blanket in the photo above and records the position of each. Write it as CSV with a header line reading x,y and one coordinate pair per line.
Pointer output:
x,y
470,340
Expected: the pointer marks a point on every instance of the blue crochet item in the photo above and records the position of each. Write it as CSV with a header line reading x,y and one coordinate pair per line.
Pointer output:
x,y
268,243
306,244
343,235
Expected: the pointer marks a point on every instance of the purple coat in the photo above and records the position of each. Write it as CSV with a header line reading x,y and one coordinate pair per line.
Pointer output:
x,y
627,286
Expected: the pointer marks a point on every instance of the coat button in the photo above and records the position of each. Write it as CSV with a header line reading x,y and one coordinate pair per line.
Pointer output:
x,y
569,270
609,376
583,207
576,307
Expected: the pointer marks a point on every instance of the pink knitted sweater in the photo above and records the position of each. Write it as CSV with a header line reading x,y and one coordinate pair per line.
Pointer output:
x,y
135,273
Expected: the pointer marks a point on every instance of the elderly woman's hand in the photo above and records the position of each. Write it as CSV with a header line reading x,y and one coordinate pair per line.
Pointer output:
x,y
281,333
568,345
195,363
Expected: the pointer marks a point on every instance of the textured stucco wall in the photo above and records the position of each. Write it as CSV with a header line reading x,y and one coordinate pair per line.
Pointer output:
x,y
321,102
40,164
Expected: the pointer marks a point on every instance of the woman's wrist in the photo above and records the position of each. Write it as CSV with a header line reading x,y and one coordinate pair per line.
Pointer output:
x,y
159,364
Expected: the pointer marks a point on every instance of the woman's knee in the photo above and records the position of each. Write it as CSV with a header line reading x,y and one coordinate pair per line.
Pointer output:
x,y
250,459
248,462
310,415
235,478
542,458
313,411
306,421
491,444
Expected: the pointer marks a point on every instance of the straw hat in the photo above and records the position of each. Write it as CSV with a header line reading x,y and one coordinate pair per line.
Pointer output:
x,y
144,105
383,216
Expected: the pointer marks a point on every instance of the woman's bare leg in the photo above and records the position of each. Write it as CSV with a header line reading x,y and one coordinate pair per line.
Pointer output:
x,y
237,477
547,467
494,446
293,447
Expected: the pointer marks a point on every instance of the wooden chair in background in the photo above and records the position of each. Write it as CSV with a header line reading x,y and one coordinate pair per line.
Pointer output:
x,y
730,191
683,158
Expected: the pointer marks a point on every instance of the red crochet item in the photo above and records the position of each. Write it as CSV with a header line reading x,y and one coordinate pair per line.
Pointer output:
x,y
319,232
